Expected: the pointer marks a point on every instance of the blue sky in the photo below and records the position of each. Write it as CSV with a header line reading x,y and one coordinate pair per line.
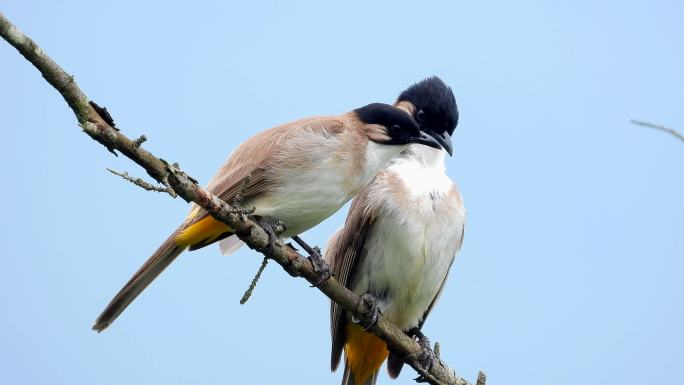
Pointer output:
x,y
572,262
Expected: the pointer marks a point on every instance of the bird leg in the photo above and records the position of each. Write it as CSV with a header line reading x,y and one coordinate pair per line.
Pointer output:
x,y
272,229
318,263
426,357
367,307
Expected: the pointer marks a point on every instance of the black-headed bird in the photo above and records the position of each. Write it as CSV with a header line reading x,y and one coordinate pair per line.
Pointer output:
x,y
299,173
399,240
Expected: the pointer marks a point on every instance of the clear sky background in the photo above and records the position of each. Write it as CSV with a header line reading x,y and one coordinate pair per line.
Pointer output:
x,y
571,270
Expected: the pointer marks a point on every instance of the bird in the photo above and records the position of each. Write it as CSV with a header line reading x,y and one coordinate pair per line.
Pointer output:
x,y
296,174
399,239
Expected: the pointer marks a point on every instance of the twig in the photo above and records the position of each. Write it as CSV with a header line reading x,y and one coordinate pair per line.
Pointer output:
x,y
246,229
144,184
138,142
671,131
248,292
481,378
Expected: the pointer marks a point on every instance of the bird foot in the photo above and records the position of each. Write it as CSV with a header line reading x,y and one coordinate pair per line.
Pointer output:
x,y
367,307
317,262
273,230
426,357
320,267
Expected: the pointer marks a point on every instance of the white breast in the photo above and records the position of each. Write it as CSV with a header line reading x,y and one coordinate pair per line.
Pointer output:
x,y
332,175
413,242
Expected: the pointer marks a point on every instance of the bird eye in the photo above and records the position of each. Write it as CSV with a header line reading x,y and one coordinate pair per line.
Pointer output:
x,y
420,115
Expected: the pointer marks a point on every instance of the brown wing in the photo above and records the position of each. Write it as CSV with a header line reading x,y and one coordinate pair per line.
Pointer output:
x,y
254,160
343,254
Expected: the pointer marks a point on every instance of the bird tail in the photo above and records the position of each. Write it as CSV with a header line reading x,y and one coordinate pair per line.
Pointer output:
x,y
193,234
364,354
230,245
159,261
348,378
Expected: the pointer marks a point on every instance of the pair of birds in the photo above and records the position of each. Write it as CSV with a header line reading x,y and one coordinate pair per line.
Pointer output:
x,y
402,232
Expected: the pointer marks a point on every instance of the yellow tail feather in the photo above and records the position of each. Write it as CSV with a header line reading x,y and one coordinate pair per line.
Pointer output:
x,y
205,230
364,353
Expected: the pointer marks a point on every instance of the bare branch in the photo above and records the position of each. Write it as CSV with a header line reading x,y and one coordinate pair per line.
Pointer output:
x,y
671,131
247,230
144,184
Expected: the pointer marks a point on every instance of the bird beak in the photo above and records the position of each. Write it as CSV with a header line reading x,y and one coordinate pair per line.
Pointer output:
x,y
445,141
434,140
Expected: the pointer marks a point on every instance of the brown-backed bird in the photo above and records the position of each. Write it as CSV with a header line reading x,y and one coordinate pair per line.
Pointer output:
x,y
399,239
299,173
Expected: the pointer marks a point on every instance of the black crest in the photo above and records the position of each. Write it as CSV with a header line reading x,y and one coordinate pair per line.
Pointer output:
x,y
435,104
386,115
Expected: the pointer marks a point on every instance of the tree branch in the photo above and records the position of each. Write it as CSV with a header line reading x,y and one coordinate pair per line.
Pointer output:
x,y
248,231
144,184
671,131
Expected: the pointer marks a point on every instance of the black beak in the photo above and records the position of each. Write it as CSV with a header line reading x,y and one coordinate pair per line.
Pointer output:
x,y
445,141
434,140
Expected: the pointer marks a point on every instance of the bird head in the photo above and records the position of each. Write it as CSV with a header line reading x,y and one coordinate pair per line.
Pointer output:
x,y
386,124
433,106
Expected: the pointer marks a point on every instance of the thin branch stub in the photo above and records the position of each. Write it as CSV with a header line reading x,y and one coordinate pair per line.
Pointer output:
x,y
138,142
481,378
144,184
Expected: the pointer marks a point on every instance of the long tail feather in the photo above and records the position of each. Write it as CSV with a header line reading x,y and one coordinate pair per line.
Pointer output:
x,y
159,261
348,378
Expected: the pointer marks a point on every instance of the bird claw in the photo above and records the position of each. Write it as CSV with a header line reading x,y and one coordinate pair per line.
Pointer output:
x,y
270,229
279,227
320,267
368,307
426,357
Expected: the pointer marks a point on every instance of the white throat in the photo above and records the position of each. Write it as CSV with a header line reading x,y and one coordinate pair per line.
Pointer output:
x,y
378,156
429,157
422,170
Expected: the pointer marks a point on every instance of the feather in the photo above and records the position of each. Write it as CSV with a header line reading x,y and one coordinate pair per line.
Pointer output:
x,y
230,245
